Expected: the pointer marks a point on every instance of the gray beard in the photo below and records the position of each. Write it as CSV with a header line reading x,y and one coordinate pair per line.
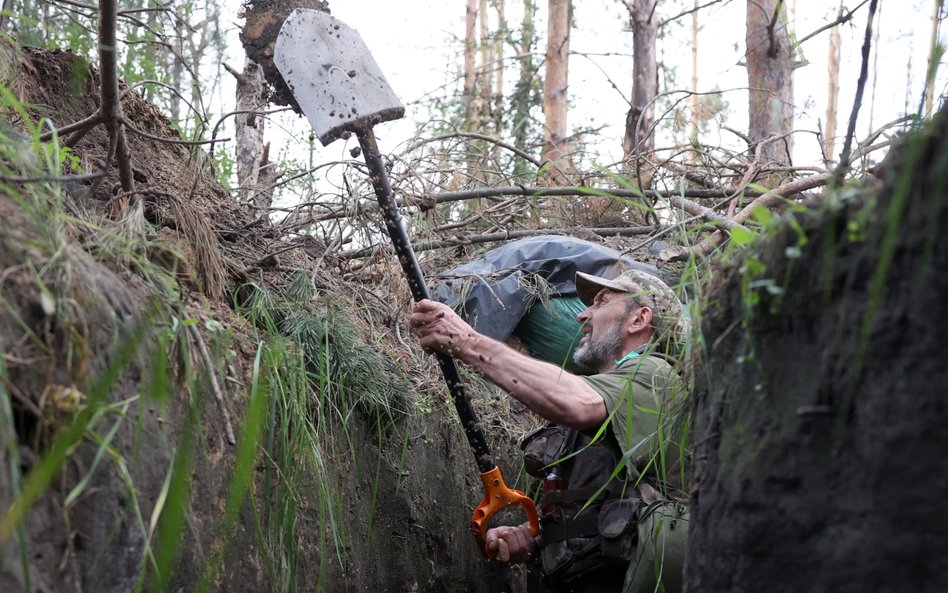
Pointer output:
x,y
596,355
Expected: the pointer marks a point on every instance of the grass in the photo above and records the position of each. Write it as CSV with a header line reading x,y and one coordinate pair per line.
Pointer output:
x,y
323,384
312,378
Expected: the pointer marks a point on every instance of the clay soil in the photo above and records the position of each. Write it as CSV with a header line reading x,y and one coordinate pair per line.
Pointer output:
x,y
821,459
405,494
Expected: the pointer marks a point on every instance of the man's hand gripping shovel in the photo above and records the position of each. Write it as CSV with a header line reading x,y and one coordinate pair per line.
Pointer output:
x,y
341,89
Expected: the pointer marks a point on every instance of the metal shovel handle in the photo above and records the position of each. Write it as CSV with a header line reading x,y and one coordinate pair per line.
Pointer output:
x,y
497,495
419,290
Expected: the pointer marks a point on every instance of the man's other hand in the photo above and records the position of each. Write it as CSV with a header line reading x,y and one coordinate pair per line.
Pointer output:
x,y
439,328
509,544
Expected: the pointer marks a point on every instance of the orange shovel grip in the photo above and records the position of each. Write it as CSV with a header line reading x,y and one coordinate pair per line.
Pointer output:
x,y
498,496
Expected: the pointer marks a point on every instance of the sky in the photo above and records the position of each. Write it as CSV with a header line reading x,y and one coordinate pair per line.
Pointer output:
x,y
418,43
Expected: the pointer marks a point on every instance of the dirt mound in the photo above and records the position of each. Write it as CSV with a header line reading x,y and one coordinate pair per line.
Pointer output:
x,y
264,19
364,481
822,439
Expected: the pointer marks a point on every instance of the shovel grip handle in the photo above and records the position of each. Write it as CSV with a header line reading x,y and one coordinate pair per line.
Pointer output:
x,y
498,496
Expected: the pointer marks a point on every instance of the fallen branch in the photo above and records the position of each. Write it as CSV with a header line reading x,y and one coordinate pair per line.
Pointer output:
x,y
215,386
501,236
83,124
678,199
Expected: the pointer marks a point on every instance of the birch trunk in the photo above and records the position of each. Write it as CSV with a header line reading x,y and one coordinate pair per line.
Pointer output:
x,y
249,128
932,56
832,93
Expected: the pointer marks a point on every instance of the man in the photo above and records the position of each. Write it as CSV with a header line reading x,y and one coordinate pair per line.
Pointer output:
x,y
630,323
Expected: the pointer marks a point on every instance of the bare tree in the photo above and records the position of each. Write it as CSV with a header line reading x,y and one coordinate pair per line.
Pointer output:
x,y
694,74
500,35
470,53
770,77
933,56
555,84
249,128
639,140
832,92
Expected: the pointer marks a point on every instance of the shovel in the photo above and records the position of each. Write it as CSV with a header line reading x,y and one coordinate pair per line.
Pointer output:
x,y
341,90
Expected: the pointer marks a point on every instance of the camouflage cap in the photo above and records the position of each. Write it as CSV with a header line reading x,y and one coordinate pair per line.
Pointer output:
x,y
668,315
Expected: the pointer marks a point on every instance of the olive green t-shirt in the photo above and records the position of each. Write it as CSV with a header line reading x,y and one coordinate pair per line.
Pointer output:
x,y
639,394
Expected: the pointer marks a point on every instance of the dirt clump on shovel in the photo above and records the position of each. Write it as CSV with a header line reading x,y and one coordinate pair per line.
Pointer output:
x,y
259,34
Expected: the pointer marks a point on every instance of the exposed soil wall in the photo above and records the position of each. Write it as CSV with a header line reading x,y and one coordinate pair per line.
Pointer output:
x,y
401,494
821,440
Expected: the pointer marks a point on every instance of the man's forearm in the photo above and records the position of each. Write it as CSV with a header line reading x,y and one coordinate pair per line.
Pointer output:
x,y
548,390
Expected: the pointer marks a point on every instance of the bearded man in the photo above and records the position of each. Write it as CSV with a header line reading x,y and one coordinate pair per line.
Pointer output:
x,y
612,517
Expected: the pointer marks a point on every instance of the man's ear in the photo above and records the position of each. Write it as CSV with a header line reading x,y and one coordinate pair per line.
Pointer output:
x,y
640,319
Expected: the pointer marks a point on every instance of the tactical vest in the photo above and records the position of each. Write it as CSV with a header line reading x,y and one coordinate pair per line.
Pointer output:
x,y
588,521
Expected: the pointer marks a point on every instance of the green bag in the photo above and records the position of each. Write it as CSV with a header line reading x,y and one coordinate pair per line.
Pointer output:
x,y
550,331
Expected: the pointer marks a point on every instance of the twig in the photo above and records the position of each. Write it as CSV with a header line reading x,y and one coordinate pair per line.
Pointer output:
x,y
842,18
521,153
857,102
215,387
24,401
55,178
144,134
687,12
220,120
170,89
83,124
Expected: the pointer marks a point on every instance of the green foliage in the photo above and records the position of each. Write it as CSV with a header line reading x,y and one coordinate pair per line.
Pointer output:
x,y
322,381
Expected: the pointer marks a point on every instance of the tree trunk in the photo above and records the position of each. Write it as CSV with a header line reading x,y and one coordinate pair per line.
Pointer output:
x,y
501,35
525,97
832,92
485,79
639,141
695,118
555,84
769,76
470,51
177,81
932,57
249,128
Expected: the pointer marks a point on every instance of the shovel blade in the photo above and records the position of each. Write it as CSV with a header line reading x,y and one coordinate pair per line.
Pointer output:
x,y
332,75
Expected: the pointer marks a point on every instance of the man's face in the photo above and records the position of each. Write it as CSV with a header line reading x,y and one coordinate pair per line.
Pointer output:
x,y
602,328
